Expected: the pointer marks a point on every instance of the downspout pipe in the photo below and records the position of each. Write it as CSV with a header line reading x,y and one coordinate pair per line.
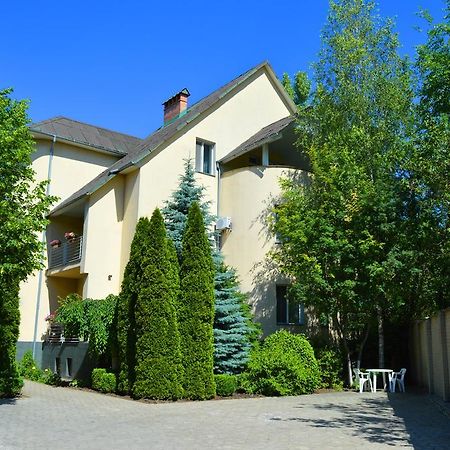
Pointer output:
x,y
43,241
219,186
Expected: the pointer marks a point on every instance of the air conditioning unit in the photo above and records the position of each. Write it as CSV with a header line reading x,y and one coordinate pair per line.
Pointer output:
x,y
223,223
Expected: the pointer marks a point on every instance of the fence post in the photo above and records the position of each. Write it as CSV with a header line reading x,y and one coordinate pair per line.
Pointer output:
x,y
430,356
446,380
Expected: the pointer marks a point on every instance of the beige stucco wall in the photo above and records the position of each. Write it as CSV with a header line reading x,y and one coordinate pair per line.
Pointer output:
x,y
102,241
72,167
246,196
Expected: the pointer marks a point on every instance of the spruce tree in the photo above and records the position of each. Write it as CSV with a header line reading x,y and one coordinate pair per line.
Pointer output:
x,y
126,304
232,314
176,210
158,360
233,326
197,308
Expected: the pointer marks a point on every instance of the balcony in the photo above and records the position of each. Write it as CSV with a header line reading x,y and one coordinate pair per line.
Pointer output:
x,y
67,253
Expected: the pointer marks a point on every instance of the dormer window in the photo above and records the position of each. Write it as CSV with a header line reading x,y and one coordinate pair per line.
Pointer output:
x,y
205,157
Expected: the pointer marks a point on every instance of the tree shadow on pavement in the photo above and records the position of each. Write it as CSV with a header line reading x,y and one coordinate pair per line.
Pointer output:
x,y
370,419
7,401
398,420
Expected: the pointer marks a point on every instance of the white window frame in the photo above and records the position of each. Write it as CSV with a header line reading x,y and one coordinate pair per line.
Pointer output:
x,y
199,157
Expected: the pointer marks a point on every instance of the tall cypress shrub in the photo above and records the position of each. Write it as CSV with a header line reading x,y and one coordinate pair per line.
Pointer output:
x,y
126,304
10,381
197,308
158,358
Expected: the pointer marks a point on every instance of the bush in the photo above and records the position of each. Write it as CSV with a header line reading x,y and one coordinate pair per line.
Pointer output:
x,y
284,365
103,381
226,385
330,366
28,367
50,378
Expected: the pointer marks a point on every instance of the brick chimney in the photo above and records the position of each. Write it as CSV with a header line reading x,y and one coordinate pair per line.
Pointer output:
x,y
175,105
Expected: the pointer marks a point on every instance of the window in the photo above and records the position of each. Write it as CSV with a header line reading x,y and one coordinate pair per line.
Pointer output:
x,y
204,157
288,311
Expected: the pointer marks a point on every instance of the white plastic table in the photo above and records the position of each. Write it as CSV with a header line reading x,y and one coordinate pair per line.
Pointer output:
x,y
375,372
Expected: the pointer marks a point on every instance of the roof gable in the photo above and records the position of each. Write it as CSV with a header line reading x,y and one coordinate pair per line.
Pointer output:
x,y
169,131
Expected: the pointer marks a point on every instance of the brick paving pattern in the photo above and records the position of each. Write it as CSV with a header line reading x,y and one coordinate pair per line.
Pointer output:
x,y
46,417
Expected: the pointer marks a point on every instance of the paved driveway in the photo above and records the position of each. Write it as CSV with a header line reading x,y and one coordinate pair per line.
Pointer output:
x,y
47,417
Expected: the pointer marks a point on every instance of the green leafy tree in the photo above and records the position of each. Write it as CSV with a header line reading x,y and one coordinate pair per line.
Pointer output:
x,y
23,209
341,229
196,315
158,358
299,89
427,188
126,305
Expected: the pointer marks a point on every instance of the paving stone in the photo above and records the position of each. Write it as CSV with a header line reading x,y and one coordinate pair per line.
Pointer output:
x,y
48,417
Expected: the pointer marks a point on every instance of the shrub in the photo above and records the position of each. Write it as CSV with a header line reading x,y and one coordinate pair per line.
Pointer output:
x,y
103,381
28,367
50,378
158,370
196,314
226,385
283,365
330,366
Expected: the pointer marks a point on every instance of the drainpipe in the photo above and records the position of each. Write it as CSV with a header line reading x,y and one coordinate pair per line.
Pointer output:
x,y
43,240
219,185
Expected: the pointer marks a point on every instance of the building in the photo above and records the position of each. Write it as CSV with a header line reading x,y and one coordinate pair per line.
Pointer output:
x,y
241,137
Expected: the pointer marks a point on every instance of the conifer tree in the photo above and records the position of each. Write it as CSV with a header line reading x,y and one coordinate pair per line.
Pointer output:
x,y
176,210
158,357
126,304
233,319
197,308
234,329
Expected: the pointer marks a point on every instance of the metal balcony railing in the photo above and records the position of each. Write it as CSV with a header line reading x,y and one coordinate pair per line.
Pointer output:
x,y
67,253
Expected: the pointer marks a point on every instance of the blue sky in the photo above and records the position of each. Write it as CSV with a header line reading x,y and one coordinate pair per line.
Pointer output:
x,y
112,63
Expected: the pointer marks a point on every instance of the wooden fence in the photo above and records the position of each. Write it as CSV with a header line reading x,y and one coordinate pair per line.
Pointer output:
x,y
430,357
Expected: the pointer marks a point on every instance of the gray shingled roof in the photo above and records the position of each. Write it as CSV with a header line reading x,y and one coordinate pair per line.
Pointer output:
x,y
154,140
262,136
85,134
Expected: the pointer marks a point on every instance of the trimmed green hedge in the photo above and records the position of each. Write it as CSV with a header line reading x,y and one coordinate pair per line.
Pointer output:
x,y
226,385
103,381
283,365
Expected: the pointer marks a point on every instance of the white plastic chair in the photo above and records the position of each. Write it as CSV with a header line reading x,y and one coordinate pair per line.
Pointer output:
x,y
363,378
398,377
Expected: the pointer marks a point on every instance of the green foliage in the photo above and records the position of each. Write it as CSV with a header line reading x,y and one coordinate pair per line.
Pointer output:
x,y
23,210
91,320
103,381
234,329
226,385
28,367
126,305
330,366
283,365
158,370
196,314
341,228
10,381
299,89
30,370
176,210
